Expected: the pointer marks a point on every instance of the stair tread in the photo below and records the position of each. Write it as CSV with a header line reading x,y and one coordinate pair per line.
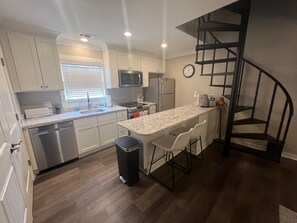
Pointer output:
x,y
258,136
219,26
249,150
221,85
241,108
216,46
216,61
219,74
249,121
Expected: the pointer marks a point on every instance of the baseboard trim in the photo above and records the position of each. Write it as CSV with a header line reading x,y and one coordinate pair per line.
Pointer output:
x,y
289,156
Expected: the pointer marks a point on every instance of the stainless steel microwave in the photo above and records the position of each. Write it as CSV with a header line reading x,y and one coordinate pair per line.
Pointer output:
x,y
129,78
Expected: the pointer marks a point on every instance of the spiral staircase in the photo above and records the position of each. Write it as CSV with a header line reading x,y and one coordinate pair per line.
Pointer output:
x,y
216,37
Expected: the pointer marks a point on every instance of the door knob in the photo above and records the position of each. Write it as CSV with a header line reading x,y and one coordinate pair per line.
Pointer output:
x,y
15,146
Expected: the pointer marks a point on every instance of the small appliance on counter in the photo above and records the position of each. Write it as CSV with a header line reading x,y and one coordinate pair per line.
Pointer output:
x,y
38,112
203,100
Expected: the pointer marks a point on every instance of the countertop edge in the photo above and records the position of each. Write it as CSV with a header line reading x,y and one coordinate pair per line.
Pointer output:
x,y
147,134
78,116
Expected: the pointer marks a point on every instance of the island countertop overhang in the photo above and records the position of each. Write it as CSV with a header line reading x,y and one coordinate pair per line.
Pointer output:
x,y
150,124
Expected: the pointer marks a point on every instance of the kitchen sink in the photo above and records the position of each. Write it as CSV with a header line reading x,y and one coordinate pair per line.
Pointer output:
x,y
92,111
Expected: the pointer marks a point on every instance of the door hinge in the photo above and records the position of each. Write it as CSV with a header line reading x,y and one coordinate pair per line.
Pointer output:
x,y
2,61
17,117
29,162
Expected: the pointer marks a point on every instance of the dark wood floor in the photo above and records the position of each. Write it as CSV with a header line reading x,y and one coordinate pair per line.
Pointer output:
x,y
241,188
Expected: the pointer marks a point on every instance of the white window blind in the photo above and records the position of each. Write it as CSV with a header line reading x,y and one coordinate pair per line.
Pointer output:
x,y
82,78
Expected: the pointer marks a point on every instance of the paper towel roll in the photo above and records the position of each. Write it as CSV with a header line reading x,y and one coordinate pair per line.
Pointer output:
x,y
108,101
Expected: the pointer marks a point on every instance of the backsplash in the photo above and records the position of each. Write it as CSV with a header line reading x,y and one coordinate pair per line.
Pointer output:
x,y
31,100
120,95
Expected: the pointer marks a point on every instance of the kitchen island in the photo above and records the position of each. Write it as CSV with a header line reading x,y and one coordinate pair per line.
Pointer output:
x,y
148,128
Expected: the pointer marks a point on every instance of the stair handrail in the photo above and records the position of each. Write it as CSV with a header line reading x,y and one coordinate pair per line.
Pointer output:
x,y
265,72
277,83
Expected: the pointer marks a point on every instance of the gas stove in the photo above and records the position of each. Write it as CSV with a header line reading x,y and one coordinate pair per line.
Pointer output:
x,y
134,106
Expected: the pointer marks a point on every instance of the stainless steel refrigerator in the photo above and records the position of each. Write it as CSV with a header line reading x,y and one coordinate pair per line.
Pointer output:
x,y
162,92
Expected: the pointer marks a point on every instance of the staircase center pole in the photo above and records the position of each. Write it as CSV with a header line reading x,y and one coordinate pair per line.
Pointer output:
x,y
237,74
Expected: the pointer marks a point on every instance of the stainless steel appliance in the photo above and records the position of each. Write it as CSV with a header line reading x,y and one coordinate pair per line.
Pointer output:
x,y
136,109
162,92
53,144
129,78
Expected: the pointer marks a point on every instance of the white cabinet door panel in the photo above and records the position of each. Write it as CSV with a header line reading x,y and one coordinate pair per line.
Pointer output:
x,y
26,61
123,61
108,132
135,62
49,63
12,199
87,138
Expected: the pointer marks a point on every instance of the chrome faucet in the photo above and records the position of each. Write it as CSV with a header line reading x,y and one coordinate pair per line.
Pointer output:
x,y
89,101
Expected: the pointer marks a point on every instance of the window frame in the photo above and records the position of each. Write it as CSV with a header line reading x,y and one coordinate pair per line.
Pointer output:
x,y
81,61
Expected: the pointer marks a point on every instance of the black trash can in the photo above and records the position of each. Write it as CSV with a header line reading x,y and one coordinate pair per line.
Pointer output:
x,y
128,159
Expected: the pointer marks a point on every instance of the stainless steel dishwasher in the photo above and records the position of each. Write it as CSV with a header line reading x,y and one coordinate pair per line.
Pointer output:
x,y
53,144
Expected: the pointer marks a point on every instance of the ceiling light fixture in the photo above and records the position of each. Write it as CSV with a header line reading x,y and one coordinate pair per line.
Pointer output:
x,y
84,37
128,34
163,45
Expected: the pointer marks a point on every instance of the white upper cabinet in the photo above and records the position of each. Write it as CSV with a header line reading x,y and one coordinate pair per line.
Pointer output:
x,y
128,62
156,65
26,61
111,69
36,62
49,63
135,62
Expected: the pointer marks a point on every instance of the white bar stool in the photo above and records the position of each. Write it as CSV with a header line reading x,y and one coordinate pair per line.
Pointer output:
x,y
170,143
195,137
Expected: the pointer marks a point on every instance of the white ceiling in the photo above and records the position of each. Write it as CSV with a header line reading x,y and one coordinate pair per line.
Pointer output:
x,y
150,21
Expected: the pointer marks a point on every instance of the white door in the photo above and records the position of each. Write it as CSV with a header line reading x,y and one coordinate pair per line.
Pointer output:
x,y
13,206
49,63
26,61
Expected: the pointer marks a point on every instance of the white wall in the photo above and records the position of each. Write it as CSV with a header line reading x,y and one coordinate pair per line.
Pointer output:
x,y
185,87
271,44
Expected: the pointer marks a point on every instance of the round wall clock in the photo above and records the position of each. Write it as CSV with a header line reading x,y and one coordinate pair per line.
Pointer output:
x,y
188,70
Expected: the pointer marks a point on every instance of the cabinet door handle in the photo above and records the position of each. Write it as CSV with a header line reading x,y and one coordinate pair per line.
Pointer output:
x,y
41,86
46,86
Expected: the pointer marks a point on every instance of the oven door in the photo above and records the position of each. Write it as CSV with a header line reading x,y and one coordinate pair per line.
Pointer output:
x,y
128,78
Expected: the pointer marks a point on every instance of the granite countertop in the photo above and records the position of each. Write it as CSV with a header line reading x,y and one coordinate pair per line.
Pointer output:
x,y
150,124
67,116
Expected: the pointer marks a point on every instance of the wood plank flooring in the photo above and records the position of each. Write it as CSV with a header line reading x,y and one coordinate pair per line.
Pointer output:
x,y
240,188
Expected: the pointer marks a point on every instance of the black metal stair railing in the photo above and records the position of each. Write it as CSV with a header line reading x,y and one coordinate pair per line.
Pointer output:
x,y
231,57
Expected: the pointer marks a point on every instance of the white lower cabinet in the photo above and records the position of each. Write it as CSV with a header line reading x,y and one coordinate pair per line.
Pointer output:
x,y
122,116
108,132
87,138
98,131
87,134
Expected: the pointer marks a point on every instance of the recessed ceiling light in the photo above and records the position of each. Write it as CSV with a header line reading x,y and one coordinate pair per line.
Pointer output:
x,y
163,45
127,34
84,39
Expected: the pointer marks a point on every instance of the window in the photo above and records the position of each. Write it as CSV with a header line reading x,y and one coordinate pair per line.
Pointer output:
x,y
81,78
